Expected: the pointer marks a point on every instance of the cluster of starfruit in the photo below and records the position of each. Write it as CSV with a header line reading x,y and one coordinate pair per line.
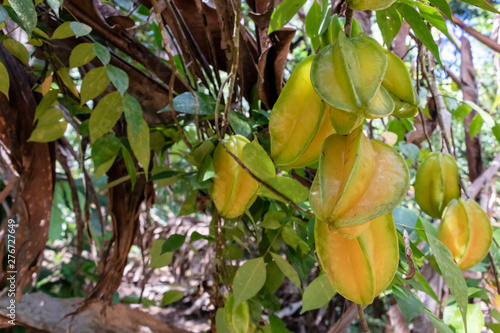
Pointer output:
x,y
465,228
319,117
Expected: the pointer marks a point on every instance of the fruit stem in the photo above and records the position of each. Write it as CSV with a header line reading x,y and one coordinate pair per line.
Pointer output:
x,y
348,21
362,319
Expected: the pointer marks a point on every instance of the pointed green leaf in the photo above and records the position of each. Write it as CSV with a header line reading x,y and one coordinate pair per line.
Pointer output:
x,y
4,15
475,125
173,243
49,126
55,5
63,31
118,77
439,325
17,49
313,20
277,325
239,123
284,13
4,80
185,103
408,302
481,4
290,188
257,161
137,131
81,55
80,29
105,115
102,53
434,17
317,294
159,259
419,28
129,165
287,269
25,10
93,84
249,279
449,269
104,152
443,6
389,22
172,296
475,318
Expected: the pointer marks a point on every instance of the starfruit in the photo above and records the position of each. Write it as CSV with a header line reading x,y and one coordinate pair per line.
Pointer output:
x,y
466,231
397,82
234,189
361,268
348,76
437,183
345,122
357,180
299,121
370,4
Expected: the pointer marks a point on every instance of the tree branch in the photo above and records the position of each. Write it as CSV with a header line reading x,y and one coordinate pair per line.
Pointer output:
x,y
476,34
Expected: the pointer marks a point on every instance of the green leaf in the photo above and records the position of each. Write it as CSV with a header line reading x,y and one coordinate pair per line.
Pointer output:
x,y
494,327
4,80
63,31
173,243
475,125
419,28
257,161
118,77
488,119
410,150
237,318
313,20
17,49
439,325
432,15
185,103
25,10
317,294
272,220
274,278
239,123
48,101
137,131
284,13
443,6
287,269
93,84
495,129
481,4
220,322
105,115
475,318
326,12
55,5
172,296
461,112
449,269
4,15
290,188
277,325
104,152
159,259
49,127
129,165
249,279
290,237
80,29
102,53
389,22
81,55
408,302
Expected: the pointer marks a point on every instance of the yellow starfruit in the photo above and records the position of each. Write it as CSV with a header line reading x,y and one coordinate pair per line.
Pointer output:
x,y
299,121
361,268
234,189
466,231
437,183
357,180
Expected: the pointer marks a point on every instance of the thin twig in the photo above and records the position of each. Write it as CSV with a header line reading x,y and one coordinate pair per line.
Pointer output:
x,y
495,271
419,65
364,325
349,13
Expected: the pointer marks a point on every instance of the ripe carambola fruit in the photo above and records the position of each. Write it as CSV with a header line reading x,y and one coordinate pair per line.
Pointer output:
x,y
357,180
360,268
436,183
369,4
397,82
349,73
299,121
234,189
466,231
